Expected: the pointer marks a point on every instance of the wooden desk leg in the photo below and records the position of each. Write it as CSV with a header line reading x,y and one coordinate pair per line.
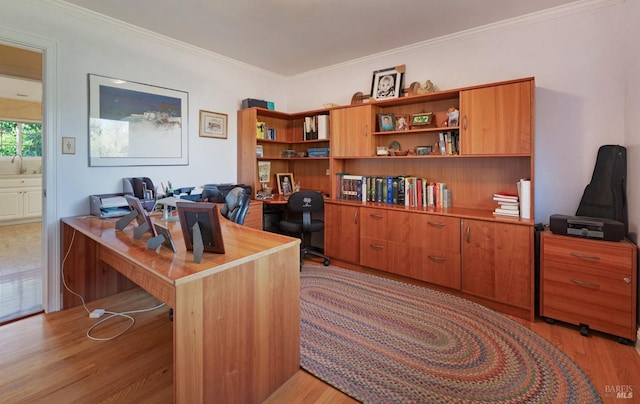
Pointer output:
x,y
237,331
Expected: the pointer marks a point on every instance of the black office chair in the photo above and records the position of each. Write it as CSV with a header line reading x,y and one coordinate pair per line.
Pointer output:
x,y
302,204
237,205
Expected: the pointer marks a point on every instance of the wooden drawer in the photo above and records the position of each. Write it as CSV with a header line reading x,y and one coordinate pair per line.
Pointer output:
x,y
433,266
599,298
253,218
374,253
375,222
441,233
591,282
586,253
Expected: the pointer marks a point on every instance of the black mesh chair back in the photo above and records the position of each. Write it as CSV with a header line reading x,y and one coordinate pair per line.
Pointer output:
x,y
300,206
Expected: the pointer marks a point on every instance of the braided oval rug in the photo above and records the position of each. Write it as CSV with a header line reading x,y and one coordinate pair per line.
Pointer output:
x,y
383,341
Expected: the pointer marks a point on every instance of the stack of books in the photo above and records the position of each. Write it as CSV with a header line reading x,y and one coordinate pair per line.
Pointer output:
x,y
508,204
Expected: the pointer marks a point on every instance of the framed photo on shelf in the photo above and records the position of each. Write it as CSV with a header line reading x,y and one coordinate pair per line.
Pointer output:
x,y
401,122
385,122
387,83
285,183
205,215
213,124
421,119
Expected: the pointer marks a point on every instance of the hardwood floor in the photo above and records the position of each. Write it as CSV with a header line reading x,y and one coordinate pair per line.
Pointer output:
x,y
48,358
20,270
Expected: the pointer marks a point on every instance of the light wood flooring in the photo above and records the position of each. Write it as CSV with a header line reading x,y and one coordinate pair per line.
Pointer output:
x,y
20,270
48,358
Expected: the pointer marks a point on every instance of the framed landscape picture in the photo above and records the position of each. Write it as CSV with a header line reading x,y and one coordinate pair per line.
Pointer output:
x,y
213,124
135,124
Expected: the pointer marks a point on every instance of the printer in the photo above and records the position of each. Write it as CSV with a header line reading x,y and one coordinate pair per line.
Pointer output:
x,y
108,205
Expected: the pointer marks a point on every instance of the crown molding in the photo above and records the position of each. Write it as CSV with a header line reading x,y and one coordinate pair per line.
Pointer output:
x,y
527,19
95,18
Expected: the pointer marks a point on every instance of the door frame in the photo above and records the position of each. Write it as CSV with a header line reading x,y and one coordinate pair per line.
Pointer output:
x,y
51,293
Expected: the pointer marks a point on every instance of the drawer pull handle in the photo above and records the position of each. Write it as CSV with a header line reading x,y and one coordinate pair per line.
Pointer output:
x,y
585,284
355,217
376,216
376,246
585,257
626,280
436,224
438,259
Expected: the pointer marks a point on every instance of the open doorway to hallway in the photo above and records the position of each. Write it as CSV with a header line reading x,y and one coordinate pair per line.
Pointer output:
x,y
21,190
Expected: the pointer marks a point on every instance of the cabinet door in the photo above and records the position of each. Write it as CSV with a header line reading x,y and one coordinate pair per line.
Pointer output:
x,y
497,119
351,131
32,202
342,232
10,203
497,262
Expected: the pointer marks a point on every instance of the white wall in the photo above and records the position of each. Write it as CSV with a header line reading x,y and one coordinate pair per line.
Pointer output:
x,y
577,58
632,112
88,43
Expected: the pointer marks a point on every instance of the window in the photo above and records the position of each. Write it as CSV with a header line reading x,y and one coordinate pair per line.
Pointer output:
x,y
24,138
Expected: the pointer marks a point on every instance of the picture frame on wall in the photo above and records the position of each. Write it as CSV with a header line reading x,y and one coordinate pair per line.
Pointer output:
x,y
285,183
213,124
387,83
135,124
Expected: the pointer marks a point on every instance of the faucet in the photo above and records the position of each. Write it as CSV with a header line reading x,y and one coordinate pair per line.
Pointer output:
x,y
20,165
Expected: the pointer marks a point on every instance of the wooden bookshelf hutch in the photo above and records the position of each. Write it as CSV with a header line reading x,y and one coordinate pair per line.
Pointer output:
x,y
465,249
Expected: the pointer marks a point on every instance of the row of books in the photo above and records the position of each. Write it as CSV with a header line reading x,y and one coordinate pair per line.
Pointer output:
x,y
401,190
262,132
315,127
449,143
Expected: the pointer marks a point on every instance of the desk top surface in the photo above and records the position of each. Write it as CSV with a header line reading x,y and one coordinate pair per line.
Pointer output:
x,y
241,244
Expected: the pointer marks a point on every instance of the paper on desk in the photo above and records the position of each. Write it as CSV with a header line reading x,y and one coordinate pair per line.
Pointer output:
x,y
114,202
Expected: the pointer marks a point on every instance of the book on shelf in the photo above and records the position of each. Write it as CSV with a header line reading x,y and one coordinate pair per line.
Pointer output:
x,y
524,191
259,151
323,126
509,206
506,212
261,130
316,127
264,171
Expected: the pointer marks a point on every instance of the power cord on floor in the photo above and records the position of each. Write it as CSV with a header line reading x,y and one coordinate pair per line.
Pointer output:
x,y
98,313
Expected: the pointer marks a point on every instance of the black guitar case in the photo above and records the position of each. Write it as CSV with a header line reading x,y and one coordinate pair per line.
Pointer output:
x,y
606,194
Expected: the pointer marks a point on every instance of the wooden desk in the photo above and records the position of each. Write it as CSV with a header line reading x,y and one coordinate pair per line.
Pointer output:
x,y
236,328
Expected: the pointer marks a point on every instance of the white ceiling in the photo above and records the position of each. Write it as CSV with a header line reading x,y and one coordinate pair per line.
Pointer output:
x,y
289,37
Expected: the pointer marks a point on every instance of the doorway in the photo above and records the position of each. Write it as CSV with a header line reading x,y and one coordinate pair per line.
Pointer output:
x,y
23,259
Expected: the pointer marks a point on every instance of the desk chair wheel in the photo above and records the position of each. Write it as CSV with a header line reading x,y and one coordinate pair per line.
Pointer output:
x,y
171,314
326,262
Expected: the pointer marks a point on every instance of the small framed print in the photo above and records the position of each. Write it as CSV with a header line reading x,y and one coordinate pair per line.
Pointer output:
x,y
285,183
401,122
387,83
423,150
385,121
200,223
213,124
421,119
